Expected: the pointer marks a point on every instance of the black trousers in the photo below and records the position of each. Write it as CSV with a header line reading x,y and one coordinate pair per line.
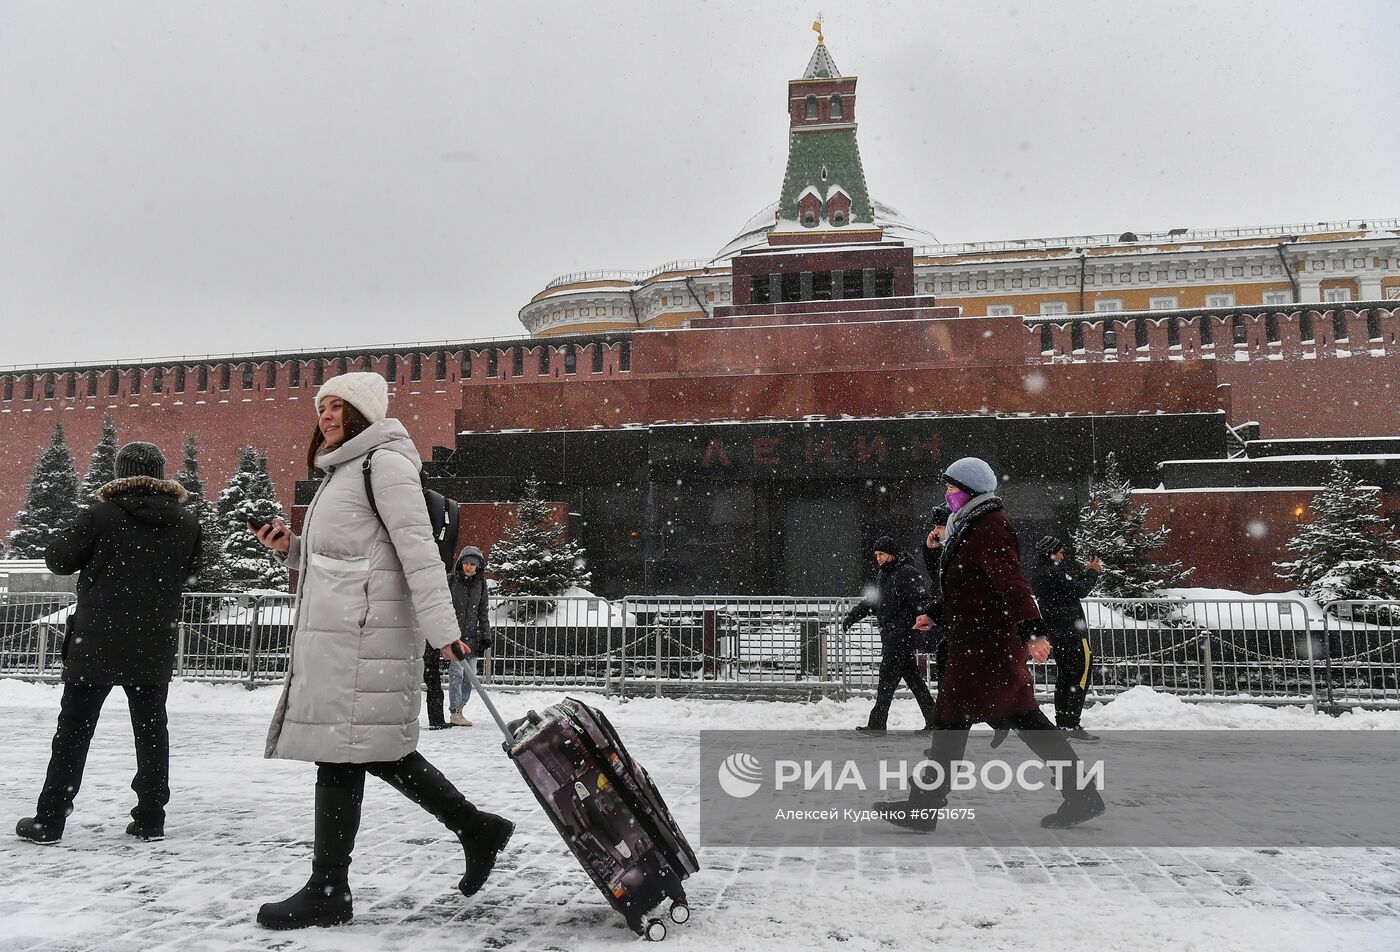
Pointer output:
x,y
77,720
432,686
893,669
1073,669
950,744
340,790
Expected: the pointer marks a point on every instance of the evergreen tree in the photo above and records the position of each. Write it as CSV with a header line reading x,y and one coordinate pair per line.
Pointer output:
x,y
1112,529
250,495
188,476
532,559
1348,550
102,467
51,502
213,572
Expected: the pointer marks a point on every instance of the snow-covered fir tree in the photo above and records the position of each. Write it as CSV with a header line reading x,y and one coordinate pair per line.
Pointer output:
x,y
1111,528
102,466
213,572
533,559
249,495
1347,550
50,503
188,476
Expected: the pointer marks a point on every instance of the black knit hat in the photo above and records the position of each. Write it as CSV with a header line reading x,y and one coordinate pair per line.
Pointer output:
x,y
887,545
140,459
939,517
1048,546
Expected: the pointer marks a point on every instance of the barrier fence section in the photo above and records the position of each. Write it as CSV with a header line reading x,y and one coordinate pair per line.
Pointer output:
x,y
1265,650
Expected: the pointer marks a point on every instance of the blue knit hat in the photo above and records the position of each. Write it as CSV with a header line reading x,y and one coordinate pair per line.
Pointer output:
x,y
972,475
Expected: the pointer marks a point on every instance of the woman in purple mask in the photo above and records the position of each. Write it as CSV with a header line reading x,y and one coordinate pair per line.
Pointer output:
x,y
992,627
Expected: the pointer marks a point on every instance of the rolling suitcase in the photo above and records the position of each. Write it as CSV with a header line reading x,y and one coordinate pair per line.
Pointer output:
x,y
605,806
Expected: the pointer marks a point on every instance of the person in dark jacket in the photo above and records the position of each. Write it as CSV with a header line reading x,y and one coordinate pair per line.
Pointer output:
x,y
1058,589
895,602
469,598
135,550
992,627
933,555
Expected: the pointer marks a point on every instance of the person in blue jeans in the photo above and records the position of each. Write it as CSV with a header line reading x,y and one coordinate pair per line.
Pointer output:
x,y
469,598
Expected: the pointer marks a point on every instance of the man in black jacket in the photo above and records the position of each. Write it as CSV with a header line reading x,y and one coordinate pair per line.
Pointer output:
x,y
1058,590
896,602
136,549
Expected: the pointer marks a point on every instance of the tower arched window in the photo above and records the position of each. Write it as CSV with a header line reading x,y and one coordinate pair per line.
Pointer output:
x,y
838,108
812,107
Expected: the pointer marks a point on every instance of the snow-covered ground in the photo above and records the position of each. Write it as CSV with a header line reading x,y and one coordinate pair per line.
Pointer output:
x,y
239,833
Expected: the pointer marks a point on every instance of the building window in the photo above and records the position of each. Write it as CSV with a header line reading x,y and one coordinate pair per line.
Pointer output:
x,y
852,283
792,287
838,108
839,217
1239,331
1110,339
1000,310
1054,307
760,291
1105,305
812,107
1226,299
1165,303
1339,326
1337,295
1277,298
1393,294
809,218
821,285
884,282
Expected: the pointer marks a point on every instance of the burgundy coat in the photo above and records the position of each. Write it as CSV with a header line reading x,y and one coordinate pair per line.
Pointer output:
x,y
984,597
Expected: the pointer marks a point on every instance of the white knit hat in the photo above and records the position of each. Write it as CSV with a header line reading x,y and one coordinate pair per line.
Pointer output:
x,y
365,391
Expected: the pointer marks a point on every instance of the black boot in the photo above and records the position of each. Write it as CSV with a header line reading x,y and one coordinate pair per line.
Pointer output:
x,y
482,835
146,830
1075,810
35,830
325,900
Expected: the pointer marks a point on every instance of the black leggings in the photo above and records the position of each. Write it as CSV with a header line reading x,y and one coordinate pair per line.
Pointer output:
x,y
950,744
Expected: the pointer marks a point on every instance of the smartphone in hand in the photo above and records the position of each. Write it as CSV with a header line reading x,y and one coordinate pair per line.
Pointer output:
x,y
257,525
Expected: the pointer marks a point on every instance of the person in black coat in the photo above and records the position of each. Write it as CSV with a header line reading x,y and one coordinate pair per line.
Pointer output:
x,y
135,549
1058,589
470,599
896,604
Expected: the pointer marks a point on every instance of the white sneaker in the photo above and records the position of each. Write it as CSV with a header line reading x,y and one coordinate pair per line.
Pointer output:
x,y
459,721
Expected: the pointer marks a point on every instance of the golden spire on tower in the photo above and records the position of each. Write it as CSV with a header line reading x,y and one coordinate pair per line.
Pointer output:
x,y
817,26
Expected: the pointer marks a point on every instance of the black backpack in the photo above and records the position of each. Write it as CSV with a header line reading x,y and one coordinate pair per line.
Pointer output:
x,y
444,515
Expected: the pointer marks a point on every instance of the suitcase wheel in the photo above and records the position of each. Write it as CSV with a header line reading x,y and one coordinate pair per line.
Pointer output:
x,y
655,930
680,912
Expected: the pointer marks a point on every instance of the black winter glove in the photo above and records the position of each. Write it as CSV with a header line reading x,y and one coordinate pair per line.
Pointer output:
x,y
1032,628
484,645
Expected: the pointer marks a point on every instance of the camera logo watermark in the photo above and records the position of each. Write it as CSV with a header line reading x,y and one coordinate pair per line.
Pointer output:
x,y
740,775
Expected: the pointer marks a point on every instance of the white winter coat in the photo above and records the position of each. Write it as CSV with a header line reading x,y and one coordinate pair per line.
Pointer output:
x,y
370,594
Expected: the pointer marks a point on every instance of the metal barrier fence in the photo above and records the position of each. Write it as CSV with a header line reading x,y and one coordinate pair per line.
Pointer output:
x,y
1266,650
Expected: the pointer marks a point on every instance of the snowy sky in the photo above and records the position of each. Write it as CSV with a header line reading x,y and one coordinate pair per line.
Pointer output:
x,y
190,178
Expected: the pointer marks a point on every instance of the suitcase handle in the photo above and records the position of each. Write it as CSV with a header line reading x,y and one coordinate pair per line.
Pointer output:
x,y
506,729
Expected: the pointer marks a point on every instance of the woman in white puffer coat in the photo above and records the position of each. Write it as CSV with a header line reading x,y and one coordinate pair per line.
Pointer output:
x,y
372,589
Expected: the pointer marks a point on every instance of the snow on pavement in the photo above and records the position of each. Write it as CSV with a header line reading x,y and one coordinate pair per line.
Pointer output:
x,y
240,827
